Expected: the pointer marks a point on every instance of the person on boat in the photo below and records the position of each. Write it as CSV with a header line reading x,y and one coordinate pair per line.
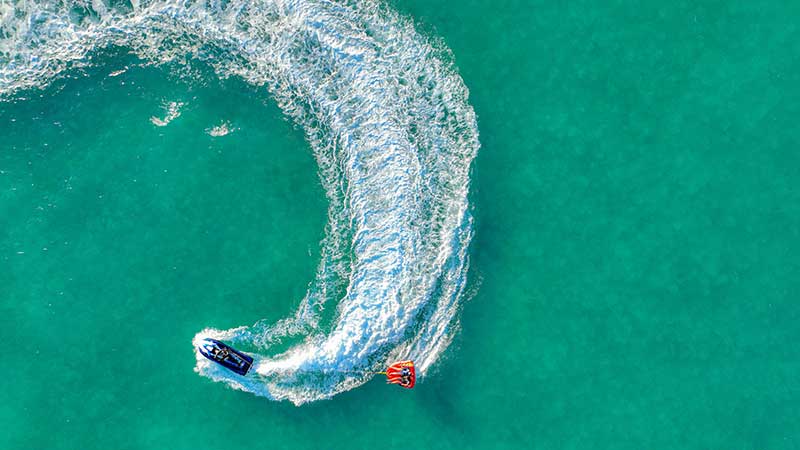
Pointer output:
x,y
220,353
405,377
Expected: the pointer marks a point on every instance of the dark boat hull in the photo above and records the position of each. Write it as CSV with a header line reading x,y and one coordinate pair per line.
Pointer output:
x,y
225,355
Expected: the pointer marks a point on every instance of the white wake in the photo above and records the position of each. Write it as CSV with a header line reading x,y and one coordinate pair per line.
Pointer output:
x,y
388,120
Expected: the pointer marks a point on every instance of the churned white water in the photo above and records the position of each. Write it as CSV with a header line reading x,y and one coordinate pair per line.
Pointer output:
x,y
388,120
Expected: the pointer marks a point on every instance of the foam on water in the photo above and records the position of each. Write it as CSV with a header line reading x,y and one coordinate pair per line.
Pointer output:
x,y
389,123
220,130
172,110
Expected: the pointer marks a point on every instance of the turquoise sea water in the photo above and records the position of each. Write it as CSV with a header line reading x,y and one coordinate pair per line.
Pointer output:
x,y
633,280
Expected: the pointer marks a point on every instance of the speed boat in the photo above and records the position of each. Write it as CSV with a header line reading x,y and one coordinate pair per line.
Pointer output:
x,y
225,355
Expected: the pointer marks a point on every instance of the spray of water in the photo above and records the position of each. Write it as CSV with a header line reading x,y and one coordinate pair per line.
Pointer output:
x,y
388,120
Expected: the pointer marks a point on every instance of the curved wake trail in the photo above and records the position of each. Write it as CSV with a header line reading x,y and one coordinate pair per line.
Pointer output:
x,y
390,126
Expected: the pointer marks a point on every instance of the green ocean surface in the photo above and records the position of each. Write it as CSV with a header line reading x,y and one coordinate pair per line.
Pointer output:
x,y
634,266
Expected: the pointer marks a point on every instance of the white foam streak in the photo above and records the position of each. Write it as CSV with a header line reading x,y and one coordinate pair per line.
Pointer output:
x,y
172,110
388,120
